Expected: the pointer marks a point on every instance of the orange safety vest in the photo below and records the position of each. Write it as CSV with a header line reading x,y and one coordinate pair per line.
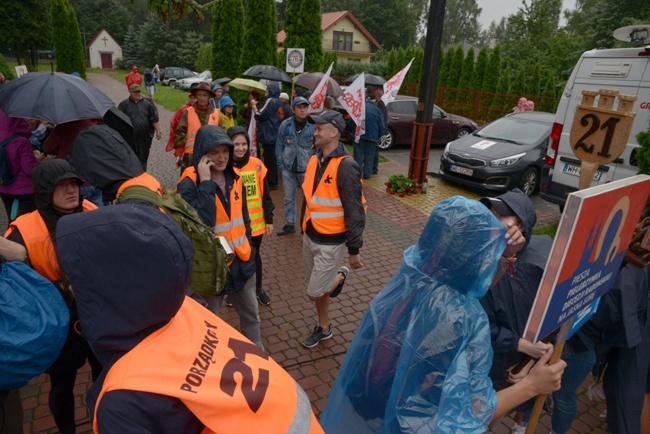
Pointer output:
x,y
252,175
38,242
324,207
226,381
143,180
193,125
232,228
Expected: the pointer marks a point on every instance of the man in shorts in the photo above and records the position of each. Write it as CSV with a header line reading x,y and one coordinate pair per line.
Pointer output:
x,y
333,218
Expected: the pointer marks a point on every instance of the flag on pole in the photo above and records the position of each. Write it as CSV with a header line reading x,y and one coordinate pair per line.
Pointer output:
x,y
252,134
354,102
391,87
317,99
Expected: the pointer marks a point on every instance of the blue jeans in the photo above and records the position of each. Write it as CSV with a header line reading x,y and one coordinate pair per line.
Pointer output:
x,y
364,152
565,403
290,182
375,160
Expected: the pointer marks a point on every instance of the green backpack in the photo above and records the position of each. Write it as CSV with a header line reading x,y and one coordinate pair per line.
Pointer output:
x,y
210,268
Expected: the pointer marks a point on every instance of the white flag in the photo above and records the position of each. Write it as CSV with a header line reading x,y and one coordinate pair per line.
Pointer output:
x,y
317,99
252,134
354,102
391,87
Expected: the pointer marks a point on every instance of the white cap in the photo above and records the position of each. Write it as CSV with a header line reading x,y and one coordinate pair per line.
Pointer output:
x,y
284,95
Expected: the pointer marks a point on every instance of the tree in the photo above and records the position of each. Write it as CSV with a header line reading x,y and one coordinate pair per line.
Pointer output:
x,y
547,104
490,82
502,103
227,33
534,84
309,24
259,34
131,52
455,71
26,24
181,8
204,58
68,49
396,29
445,69
292,16
94,15
466,97
461,22
478,76
518,87
329,57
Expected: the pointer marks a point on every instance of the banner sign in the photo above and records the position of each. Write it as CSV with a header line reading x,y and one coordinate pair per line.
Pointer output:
x,y
317,99
589,247
354,102
391,87
295,60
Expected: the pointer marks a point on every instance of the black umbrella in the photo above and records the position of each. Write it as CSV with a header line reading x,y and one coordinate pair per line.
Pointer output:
x,y
268,72
311,80
121,123
372,80
221,81
56,98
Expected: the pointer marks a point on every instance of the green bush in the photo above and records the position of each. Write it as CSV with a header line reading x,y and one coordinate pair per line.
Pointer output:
x,y
347,69
204,59
643,153
5,69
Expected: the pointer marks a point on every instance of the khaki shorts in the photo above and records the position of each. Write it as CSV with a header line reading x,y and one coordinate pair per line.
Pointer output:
x,y
322,263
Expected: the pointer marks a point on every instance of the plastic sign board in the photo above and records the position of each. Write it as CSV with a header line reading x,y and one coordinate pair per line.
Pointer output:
x,y
589,247
295,60
599,134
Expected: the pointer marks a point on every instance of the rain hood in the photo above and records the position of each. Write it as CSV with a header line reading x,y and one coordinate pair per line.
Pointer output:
x,y
420,359
104,159
136,267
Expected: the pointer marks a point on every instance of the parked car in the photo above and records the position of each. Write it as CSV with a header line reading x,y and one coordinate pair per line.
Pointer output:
x,y
172,73
401,120
189,83
507,153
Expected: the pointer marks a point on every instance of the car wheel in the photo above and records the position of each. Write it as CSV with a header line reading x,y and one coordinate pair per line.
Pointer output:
x,y
529,181
462,132
387,140
172,83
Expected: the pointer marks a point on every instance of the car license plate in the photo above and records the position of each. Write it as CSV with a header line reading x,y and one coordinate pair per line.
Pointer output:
x,y
461,170
575,171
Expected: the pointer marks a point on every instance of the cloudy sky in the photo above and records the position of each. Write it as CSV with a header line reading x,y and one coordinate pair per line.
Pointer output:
x,y
495,9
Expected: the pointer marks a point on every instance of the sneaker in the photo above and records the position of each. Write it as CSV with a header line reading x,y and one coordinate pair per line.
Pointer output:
x,y
344,271
318,335
263,297
287,229
227,301
518,429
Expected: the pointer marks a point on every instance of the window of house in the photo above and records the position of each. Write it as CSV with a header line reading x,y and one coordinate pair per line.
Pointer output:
x,y
342,41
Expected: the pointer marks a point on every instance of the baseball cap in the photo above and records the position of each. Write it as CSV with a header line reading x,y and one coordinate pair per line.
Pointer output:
x,y
328,117
299,100
498,205
135,88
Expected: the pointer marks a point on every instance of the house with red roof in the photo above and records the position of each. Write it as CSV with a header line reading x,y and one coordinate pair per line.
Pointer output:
x,y
345,35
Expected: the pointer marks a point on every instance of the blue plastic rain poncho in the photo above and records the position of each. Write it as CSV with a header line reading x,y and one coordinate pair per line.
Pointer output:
x,y
420,359
34,323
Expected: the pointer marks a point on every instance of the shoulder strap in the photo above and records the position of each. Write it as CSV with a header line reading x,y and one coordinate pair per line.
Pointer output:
x,y
8,140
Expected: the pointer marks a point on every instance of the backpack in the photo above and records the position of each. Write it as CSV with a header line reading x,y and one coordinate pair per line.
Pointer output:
x,y
6,174
210,268
34,322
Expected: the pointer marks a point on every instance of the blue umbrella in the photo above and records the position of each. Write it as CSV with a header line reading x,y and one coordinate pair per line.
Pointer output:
x,y
53,97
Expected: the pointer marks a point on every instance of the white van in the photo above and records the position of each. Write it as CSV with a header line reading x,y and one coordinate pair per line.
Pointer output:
x,y
626,70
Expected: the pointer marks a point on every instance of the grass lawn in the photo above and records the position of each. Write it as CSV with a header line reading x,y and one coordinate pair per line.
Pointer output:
x,y
546,230
169,97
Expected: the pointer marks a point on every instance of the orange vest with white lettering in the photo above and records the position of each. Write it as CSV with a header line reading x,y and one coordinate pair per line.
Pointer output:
x,y
233,227
252,175
38,242
193,125
324,207
224,379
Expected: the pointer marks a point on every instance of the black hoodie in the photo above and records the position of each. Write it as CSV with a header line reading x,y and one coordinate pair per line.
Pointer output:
x,y
104,159
509,301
